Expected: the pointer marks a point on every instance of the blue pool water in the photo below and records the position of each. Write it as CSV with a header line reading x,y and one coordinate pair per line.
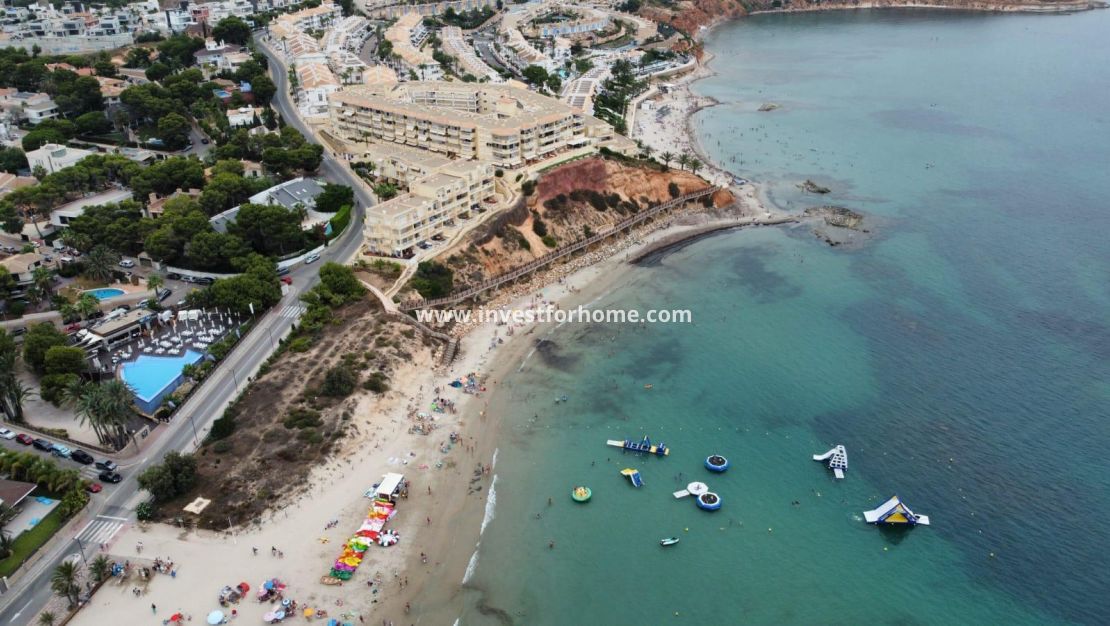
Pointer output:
x,y
104,293
152,377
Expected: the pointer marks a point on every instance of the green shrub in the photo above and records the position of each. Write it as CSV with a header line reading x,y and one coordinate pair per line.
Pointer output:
x,y
223,426
432,279
376,382
673,189
301,418
538,226
300,344
54,386
550,242
339,382
222,446
528,187
339,221
145,511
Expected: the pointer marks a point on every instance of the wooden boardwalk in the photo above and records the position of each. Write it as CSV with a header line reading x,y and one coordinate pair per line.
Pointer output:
x,y
557,254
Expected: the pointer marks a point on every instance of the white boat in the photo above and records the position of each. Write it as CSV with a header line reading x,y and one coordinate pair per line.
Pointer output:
x,y
669,541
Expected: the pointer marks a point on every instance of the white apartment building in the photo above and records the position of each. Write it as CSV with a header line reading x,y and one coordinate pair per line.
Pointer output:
x,y
504,124
407,35
456,45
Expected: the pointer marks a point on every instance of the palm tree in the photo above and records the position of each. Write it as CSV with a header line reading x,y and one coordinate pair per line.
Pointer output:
x,y
43,278
46,618
64,582
64,480
100,568
6,543
154,282
695,165
69,313
106,408
667,158
87,305
100,262
117,402
684,160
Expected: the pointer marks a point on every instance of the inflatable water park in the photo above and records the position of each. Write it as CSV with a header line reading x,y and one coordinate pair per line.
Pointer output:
x,y
634,476
894,512
703,497
837,460
644,445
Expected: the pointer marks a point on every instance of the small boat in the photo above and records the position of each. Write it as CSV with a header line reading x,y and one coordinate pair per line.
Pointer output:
x,y
581,494
648,386
669,541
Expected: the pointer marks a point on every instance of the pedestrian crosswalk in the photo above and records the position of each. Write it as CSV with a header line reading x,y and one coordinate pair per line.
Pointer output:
x,y
293,311
101,529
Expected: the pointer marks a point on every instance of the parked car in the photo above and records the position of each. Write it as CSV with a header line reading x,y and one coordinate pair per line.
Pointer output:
x,y
288,280
127,263
6,434
106,465
204,140
43,444
110,477
74,327
60,450
82,457
312,258
93,487
24,439
164,293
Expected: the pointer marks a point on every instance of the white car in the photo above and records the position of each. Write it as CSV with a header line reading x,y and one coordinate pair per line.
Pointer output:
x,y
127,263
6,434
312,258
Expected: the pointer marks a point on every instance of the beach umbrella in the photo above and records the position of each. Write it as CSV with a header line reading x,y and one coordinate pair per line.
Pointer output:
x,y
177,617
269,617
215,617
279,615
309,612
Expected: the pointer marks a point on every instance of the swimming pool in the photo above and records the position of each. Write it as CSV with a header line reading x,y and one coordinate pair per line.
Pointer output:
x,y
104,293
154,377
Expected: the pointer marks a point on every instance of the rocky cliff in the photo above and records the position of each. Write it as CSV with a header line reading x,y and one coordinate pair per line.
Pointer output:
x,y
690,15
569,202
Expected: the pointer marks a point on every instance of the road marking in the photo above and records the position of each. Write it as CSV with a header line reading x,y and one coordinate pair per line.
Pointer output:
x,y
100,530
122,519
20,611
292,311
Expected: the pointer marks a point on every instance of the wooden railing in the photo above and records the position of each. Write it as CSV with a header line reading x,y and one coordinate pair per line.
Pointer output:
x,y
558,253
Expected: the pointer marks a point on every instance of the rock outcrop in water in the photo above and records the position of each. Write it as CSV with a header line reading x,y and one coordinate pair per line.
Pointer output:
x,y
811,187
844,223
768,106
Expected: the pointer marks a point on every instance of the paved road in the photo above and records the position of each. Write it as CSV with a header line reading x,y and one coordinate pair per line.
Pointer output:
x,y
331,168
116,504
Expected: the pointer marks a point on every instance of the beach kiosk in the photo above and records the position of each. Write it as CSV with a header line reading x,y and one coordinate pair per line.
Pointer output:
x,y
390,487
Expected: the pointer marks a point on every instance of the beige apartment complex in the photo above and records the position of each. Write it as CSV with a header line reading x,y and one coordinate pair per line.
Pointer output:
x,y
441,193
503,124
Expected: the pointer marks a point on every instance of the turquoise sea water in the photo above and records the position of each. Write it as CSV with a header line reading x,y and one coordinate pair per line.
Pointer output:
x,y
962,354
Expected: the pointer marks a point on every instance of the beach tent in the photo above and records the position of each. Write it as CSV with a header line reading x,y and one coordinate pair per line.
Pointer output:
x,y
390,484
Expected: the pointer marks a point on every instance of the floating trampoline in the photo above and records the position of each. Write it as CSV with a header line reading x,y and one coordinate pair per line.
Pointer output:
x,y
716,463
709,501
